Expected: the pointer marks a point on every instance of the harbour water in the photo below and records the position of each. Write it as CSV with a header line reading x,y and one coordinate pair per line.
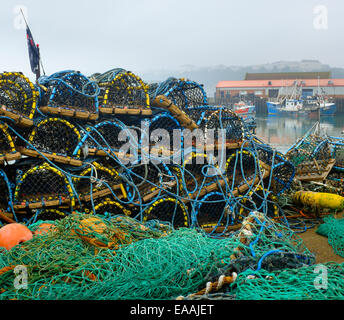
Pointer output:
x,y
281,132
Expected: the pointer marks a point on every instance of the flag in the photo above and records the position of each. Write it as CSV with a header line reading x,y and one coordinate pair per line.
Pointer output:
x,y
33,52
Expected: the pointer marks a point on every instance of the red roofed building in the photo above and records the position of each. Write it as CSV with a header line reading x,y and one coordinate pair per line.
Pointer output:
x,y
270,88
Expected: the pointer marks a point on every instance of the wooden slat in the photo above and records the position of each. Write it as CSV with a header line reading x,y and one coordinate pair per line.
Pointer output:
x,y
19,120
52,157
164,103
129,111
85,115
39,205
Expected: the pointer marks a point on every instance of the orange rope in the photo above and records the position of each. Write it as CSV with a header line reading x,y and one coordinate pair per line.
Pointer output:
x,y
6,269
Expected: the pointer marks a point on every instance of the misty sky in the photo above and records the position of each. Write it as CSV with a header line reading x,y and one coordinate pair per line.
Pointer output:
x,y
140,35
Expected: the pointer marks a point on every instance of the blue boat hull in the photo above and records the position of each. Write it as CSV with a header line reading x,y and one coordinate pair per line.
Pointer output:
x,y
272,108
328,110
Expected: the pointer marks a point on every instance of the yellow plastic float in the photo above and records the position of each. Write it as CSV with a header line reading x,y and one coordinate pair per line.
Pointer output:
x,y
319,200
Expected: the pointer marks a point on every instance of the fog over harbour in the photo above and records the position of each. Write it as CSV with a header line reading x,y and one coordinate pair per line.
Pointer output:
x,y
154,38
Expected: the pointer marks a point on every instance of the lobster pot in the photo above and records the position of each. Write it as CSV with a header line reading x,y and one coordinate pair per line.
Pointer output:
x,y
337,146
18,98
43,186
107,207
97,181
8,150
213,211
147,181
6,199
47,215
226,120
312,158
122,92
282,170
69,94
260,200
241,168
199,114
168,210
196,173
107,138
55,139
162,130
183,93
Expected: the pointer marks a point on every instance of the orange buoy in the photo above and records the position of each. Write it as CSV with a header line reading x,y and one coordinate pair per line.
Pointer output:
x,y
44,228
13,234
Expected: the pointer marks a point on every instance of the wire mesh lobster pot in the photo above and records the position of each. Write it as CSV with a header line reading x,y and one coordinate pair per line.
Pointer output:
x,y
43,186
337,146
168,210
162,129
107,138
18,98
227,120
162,102
108,207
45,214
97,181
197,175
122,92
70,94
6,199
258,199
242,169
312,158
55,139
219,124
282,170
213,211
183,93
8,150
148,181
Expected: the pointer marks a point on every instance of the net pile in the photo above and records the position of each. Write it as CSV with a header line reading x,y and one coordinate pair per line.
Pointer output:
x,y
333,229
290,284
91,257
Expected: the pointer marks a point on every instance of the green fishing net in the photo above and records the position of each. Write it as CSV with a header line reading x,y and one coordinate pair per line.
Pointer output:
x,y
93,258
324,282
333,229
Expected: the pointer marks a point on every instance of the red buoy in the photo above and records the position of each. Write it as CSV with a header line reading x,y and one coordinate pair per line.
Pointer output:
x,y
13,234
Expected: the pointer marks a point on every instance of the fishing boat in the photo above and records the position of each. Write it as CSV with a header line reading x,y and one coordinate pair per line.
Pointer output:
x,y
320,102
287,106
314,104
244,108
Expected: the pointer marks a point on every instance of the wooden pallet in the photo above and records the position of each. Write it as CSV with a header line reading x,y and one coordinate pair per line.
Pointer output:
x,y
50,156
68,112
